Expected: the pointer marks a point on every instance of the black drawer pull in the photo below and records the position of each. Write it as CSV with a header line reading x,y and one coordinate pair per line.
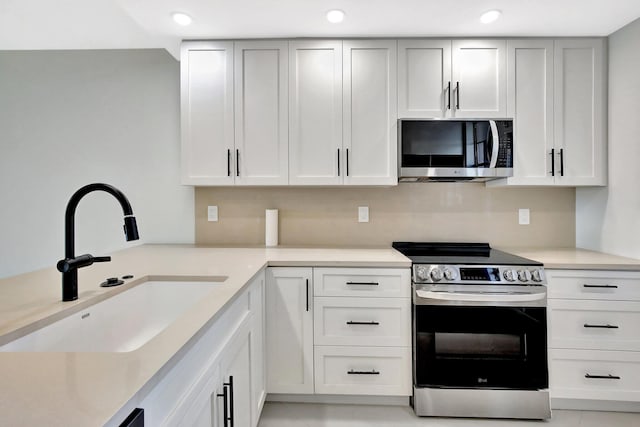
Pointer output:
x,y
607,326
373,372
602,377
351,322
364,283
601,286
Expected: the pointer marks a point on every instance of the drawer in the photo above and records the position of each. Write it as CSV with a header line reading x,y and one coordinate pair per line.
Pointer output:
x,y
382,371
596,284
598,375
598,325
354,321
362,282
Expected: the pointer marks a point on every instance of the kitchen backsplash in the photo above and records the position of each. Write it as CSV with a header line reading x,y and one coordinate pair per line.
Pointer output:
x,y
419,212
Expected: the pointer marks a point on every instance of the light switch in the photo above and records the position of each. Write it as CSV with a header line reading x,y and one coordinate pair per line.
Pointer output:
x,y
523,216
363,213
212,213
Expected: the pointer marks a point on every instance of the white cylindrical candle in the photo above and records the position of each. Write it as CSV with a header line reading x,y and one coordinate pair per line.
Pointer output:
x,y
271,227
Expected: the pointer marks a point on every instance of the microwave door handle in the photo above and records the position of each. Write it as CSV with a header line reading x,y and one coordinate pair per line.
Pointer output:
x,y
496,143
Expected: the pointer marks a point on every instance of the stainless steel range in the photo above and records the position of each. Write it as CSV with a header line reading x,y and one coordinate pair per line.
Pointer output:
x,y
479,332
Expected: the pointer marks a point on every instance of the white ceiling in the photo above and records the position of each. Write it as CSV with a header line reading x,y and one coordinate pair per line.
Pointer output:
x,y
119,24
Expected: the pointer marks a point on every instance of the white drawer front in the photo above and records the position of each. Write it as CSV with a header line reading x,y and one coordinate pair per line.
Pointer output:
x,y
596,284
382,371
614,375
362,282
598,325
362,321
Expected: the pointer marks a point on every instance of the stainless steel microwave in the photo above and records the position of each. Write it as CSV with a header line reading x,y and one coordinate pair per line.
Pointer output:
x,y
454,149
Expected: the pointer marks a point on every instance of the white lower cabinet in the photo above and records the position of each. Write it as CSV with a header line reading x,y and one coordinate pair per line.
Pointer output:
x,y
594,339
289,321
363,370
192,392
338,331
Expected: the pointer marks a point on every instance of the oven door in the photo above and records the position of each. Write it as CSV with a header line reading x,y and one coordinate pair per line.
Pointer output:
x,y
480,347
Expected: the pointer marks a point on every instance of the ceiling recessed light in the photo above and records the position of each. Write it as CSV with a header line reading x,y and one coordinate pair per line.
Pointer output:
x,y
181,18
335,16
490,16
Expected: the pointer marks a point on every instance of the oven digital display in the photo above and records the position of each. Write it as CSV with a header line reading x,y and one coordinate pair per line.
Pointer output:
x,y
480,274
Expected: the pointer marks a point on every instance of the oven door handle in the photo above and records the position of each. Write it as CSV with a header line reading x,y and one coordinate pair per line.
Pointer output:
x,y
496,143
480,297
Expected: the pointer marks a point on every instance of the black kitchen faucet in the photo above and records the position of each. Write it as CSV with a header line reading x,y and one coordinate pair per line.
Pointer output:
x,y
70,264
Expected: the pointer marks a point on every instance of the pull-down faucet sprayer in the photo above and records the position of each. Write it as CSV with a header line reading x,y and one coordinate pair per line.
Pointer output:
x,y
70,264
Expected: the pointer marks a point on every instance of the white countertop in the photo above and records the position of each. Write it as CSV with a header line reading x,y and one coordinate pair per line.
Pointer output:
x,y
87,389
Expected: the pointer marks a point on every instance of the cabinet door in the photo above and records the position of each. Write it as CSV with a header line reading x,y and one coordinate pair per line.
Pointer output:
x,y
290,330
424,78
479,78
258,357
261,113
370,115
530,103
579,114
206,75
236,381
315,112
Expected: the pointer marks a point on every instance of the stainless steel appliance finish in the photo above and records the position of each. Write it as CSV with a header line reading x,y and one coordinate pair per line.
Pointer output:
x,y
479,332
454,149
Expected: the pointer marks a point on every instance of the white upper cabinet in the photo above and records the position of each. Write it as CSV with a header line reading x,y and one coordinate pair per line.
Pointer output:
x,y
207,112
556,97
579,112
243,142
479,80
370,116
446,79
530,102
315,112
424,78
261,113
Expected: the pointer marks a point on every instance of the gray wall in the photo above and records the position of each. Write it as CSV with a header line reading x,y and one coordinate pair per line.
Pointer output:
x,y
608,219
69,118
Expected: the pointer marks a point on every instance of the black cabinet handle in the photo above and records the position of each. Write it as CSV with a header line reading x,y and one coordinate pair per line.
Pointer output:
x,y
231,416
225,403
347,162
372,372
601,286
135,419
457,95
553,162
363,283
338,162
237,162
228,162
607,326
307,280
449,96
602,377
351,322
562,162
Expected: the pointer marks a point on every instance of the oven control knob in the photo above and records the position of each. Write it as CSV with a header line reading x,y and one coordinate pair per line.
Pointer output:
x,y
422,273
436,274
536,275
450,274
509,275
524,275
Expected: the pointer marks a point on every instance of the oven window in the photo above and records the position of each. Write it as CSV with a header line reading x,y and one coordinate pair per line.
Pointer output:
x,y
480,347
455,345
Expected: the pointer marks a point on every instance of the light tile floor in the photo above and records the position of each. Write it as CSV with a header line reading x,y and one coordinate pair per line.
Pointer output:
x,y
320,415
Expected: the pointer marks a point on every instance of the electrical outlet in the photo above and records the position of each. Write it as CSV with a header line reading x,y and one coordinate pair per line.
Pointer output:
x,y
524,216
363,213
212,213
